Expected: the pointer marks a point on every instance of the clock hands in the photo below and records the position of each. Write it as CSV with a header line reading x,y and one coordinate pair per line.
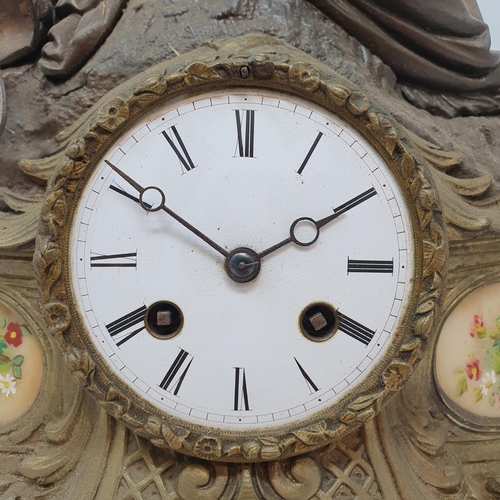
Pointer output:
x,y
316,225
161,206
243,264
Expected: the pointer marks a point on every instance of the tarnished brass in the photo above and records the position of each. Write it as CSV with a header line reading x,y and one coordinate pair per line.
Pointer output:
x,y
218,64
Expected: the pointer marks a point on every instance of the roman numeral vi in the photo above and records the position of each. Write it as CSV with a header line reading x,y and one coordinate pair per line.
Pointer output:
x,y
240,390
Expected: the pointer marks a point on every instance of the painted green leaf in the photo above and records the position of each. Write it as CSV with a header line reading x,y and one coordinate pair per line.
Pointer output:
x,y
18,360
481,332
3,345
495,335
25,330
461,386
5,365
496,366
16,371
478,393
4,321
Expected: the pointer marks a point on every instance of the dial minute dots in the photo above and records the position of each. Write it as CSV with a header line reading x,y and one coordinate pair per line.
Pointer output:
x,y
174,377
245,119
310,152
125,323
114,260
240,390
370,266
310,384
186,159
355,330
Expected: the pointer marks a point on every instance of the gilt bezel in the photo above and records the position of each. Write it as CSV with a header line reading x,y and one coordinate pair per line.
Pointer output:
x,y
252,61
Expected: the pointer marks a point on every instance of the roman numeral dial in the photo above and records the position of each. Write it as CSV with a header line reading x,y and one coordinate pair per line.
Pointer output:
x,y
271,273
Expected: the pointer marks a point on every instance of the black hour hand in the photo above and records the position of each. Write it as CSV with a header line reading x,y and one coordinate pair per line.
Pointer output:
x,y
314,226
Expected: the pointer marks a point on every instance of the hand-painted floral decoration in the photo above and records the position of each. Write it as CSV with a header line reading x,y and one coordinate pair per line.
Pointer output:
x,y
480,373
8,384
11,338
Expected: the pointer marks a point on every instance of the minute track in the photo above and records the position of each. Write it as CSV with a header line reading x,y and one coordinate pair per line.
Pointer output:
x,y
243,336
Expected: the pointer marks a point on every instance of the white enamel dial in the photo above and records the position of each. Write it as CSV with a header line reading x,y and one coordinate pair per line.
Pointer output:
x,y
306,323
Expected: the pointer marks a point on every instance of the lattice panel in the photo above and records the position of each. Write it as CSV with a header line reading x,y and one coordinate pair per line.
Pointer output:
x,y
148,472
347,472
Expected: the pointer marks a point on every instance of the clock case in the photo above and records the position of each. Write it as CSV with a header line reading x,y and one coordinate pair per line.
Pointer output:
x,y
251,61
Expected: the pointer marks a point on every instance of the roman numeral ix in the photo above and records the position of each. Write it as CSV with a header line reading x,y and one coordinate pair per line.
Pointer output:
x,y
355,330
182,154
115,260
310,384
370,266
245,126
124,325
240,390
173,379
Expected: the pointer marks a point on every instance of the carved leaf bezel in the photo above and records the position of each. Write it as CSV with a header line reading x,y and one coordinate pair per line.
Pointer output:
x,y
274,65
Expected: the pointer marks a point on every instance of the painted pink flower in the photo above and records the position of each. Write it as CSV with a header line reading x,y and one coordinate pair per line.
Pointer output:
x,y
14,335
477,327
472,370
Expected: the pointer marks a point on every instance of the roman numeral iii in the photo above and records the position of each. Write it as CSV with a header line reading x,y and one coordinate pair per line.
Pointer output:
x,y
245,126
125,324
176,374
181,153
355,330
240,390
370,266
114,260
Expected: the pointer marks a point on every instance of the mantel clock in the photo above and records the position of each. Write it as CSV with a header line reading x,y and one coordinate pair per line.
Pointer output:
x,y
240,254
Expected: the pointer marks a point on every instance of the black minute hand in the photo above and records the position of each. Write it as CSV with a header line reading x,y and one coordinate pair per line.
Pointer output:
x,y
163,207
337,212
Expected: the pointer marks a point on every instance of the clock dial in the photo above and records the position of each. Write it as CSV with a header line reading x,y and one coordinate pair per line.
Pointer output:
x,y
242,259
